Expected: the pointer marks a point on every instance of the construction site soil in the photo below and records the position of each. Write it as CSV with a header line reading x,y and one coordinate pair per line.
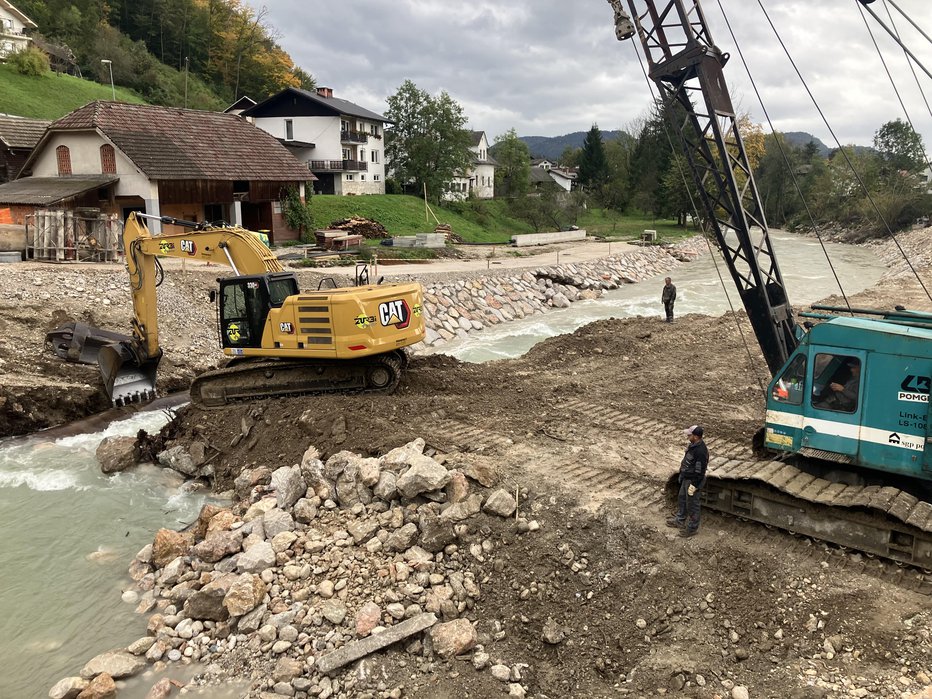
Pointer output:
x,y
644,612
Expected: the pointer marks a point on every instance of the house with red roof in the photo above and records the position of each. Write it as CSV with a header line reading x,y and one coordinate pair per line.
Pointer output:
x,y
188,164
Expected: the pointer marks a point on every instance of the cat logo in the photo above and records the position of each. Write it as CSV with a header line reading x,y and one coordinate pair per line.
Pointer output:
x,y
233,333
286,328
166,247
395,313
189,246
416,311
363,321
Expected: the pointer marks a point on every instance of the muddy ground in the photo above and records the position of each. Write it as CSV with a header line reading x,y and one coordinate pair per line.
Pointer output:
x,y
646,613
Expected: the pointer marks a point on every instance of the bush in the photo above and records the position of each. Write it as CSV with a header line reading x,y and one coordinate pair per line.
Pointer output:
x,y
30,61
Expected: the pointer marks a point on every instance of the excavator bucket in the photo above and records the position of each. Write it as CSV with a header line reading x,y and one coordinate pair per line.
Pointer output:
x,y
80,343
126,379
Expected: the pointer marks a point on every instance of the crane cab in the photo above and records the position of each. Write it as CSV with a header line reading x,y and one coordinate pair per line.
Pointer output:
x,y
856,392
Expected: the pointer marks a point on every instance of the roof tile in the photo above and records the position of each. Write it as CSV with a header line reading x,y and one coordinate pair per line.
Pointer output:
x,y
171,143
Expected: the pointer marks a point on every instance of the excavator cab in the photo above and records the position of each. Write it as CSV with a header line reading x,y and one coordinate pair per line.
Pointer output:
x,y
245,302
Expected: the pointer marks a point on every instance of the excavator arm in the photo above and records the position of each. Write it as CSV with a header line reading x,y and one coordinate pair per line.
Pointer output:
x,y
233,247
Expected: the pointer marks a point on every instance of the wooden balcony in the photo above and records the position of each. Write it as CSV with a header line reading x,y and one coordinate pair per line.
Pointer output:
x,y
353,137
337,165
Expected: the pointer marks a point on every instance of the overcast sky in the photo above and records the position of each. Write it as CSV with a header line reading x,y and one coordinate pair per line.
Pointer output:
x,y
550,67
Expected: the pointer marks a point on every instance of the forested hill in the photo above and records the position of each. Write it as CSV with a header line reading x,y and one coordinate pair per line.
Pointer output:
x,y
552,147
227,46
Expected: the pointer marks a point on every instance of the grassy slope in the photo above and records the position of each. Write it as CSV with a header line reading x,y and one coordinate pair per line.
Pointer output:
x,y
51,96
405,215
611,224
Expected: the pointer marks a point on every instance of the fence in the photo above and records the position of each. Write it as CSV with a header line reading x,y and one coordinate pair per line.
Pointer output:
x,y
60,236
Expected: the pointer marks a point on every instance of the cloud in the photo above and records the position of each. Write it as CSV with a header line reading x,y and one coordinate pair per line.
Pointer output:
x,y
550,67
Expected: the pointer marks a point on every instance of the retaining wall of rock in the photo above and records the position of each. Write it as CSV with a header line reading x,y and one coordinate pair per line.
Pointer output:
x,y
454,309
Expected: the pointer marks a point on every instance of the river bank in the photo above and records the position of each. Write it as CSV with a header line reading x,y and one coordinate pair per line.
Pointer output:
x,y
40,391
598,598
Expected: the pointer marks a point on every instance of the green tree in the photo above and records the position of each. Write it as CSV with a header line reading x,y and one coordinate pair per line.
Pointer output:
x,y
513,174
593,165
428,144
650,160
570,157
900,146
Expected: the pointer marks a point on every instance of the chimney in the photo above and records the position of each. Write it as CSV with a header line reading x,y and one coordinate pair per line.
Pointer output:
x,y
325,91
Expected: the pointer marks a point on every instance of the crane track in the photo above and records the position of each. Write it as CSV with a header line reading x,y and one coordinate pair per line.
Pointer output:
x,y
874,520
646,493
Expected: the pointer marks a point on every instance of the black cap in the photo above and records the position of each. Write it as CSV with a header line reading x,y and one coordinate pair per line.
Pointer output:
x,y
694,430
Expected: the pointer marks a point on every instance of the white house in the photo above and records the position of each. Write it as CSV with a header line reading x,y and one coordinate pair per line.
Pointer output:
x,y
565,178
479,180
341,142
13,27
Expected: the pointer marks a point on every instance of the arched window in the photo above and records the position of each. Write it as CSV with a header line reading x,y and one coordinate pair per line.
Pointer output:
x,y
107,159
63,155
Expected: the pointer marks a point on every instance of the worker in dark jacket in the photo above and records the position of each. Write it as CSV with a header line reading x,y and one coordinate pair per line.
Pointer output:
x,y
692,478
668,298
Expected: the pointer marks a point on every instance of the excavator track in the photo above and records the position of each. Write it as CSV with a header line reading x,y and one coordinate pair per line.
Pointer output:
x,y
252,379
877,521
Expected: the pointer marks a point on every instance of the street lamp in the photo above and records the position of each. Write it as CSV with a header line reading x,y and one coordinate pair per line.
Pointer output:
x,y
109,64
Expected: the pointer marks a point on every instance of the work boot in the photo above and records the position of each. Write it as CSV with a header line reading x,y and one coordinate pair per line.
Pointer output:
x,y
674,523
686,533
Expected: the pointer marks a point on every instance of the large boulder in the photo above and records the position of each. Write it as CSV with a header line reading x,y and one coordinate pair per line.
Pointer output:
x,y
424,476
289,485
117,664
168,545
116,454
244,594
402,456
208,602
101,687
178,459
258,558
453,638
68,688
218,546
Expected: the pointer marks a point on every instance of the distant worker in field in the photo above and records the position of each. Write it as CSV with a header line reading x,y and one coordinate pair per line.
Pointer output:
x,y
692,479
668,297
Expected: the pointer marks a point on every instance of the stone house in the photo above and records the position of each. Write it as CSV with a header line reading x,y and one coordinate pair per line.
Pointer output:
x,y
341,142
13,27
185,163
18,138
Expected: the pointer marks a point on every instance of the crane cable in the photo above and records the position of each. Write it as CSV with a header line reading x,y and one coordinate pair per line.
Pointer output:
x,y
679,166
896,91
786,160
912,68
896,37
857,175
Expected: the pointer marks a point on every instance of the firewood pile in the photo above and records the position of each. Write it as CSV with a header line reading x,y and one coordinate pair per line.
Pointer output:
x,y
447,230
357,225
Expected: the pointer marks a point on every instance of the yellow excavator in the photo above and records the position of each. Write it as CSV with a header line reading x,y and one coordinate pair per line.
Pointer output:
x,y
280,340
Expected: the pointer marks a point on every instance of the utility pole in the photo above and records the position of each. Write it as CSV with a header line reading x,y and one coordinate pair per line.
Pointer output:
x,y
107,62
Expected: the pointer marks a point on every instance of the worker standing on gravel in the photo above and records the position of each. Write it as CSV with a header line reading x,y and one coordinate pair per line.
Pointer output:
x,y
668,297
692,478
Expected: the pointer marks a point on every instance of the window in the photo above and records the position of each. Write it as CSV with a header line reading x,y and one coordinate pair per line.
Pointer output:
x,y
362,155
107,159
362,178
344,126
289,129
346,154
789,387
376,178
63,156
374,155
373,130
836,382
349,178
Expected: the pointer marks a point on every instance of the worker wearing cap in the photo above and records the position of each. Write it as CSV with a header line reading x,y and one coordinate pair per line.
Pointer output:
x,y
692,478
